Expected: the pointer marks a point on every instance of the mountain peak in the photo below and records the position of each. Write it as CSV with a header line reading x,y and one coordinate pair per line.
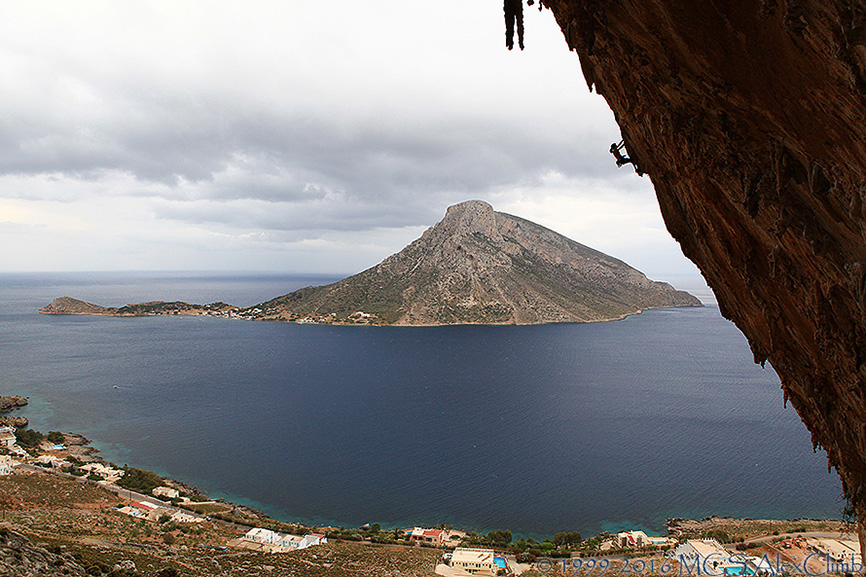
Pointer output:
x,y
469,217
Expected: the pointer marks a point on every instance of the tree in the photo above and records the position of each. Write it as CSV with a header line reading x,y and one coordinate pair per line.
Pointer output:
x,y
139,480
28,438
717,534
849,514
55,437
500,538
566,539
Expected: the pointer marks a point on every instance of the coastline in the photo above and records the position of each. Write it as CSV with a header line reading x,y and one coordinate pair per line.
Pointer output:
x,y
80,448
93,382
77,446
192,531
74,307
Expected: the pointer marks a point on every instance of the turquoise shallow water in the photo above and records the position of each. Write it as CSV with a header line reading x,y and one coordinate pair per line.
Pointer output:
x,y
538,429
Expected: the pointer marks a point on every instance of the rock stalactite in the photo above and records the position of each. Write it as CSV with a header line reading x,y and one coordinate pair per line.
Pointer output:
x,y
750,119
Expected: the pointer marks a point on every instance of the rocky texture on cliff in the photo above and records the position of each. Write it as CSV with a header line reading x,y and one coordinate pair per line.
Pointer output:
x,y
749,118
482,266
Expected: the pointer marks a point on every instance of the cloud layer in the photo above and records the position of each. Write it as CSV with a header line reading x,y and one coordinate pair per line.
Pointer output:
x,y
330,133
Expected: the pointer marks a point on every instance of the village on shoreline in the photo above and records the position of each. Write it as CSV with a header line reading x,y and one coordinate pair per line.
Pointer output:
x,y
166,512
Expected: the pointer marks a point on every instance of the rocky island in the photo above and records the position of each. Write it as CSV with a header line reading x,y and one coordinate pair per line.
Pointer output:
x,y
475,266
482,266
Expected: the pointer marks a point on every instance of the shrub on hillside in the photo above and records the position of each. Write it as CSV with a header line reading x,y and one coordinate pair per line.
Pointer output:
x,y
139,480
28,438
55,437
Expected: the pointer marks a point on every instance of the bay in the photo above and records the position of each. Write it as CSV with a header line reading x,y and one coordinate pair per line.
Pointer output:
x,y
538,429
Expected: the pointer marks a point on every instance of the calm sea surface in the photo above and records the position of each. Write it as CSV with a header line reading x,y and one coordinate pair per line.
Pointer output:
x,y
538,429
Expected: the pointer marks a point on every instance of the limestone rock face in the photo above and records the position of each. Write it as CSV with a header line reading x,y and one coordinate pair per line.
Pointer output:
x,y
482,266
750,119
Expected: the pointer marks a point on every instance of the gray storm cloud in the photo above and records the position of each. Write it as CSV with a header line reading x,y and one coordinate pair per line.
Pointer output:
x,y
211,122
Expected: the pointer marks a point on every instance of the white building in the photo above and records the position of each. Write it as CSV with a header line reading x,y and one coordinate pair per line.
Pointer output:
x,y
296,542
291,542
708,554
52,461
659,541
629,539
7,437
278,543
434,536
181,517
260,535
166,492
838,550
475,561
133,512
311,539
108,473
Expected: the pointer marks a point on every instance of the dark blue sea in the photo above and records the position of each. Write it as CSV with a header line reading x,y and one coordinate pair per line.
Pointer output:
x,y
538,429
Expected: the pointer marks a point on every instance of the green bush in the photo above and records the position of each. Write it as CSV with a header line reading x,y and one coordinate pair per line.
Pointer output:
x,y
567,539
28,438
139,480
55,437
718,535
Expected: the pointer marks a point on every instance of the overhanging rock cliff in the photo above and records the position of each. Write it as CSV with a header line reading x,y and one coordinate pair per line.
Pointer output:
x,y
750,119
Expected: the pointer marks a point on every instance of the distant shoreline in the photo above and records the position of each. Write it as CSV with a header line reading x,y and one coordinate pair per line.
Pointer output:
x,y
71,306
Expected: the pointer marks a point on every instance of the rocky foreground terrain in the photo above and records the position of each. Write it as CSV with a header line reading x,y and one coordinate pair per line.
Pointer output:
x,y
54,526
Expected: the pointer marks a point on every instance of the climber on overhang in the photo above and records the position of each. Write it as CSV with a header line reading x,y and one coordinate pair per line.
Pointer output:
x,y
616,151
